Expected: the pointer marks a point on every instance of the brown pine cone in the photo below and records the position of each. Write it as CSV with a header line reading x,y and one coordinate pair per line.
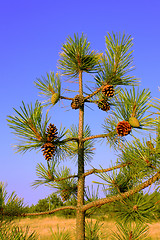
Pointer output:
x,y
77,102
48,150
74,105
103,105
123,128
65,195
51,132
108,91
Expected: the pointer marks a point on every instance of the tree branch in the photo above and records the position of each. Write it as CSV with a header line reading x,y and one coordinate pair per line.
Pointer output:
x,y
67,98
49,212
95,136
51,179
69,139
121,196
92,101
95,92
94,170
61,179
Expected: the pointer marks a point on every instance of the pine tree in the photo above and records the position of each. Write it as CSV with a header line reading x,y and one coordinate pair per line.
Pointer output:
x,y
126,111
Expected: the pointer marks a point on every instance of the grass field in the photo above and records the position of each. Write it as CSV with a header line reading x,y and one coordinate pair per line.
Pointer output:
x,y
42,226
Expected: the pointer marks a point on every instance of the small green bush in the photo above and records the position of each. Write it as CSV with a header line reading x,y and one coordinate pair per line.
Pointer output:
x,y
9,231
93,231
61,235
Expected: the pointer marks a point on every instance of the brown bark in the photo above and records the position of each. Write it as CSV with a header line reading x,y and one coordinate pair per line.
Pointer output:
x,y
89,172
95,136
49,212
80,215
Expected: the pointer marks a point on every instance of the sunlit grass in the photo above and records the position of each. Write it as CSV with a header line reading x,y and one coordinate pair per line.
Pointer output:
x,y
42,226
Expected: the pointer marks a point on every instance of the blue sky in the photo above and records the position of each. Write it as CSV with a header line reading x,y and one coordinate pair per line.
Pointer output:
x,y
32,33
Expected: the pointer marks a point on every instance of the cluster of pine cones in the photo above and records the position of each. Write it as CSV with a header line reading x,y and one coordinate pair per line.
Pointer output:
x,y
108,91
49,148
123,128
77,102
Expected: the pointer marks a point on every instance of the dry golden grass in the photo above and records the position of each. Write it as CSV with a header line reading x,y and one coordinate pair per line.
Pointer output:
x,y
42,226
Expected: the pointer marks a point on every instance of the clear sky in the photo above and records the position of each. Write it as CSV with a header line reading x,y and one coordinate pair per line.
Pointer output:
x,y
31,35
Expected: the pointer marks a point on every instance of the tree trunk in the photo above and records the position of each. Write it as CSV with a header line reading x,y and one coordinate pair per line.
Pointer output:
x,y
80,219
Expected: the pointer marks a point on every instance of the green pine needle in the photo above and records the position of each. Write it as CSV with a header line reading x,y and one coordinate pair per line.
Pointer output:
x,y
73,146
131,231
117,62
49,86
77,56
29,125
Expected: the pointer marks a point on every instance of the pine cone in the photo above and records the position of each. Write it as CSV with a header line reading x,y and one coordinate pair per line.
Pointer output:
x,y
108,91
51,133
103,105
77,102
54,98
48,150
74,105
123,128
65,194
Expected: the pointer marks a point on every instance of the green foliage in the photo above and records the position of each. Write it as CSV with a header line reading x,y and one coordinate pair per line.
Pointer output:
x,y
29,126
141,157
67,188
45,174
109,128
9,231
49,203
125,105
131,231
156,104
42,205
76,56
93,231
69,213
14,206
137,208
57,178
49,86
61,235
117,61
158,135
157,204
54,200
3,194
72,147
116,182
117,210
133,103
91,194
11,204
